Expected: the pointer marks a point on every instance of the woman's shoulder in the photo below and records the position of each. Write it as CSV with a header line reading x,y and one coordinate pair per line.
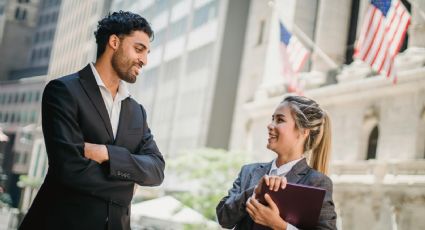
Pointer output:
x,y
319,179
255,165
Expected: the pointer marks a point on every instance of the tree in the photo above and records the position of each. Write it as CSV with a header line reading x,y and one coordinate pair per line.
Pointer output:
x,y
213,170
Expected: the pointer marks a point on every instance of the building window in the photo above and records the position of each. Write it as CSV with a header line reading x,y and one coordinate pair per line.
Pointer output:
x,y
178,28
37,96
420,141
372,143
261,32
24,14
17,13
204,14
159,38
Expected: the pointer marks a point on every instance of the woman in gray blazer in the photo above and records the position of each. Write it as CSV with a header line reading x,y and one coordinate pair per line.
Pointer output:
x,y
299,129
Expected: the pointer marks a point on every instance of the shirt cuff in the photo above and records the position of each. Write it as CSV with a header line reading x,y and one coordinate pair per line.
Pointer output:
x,y
291,227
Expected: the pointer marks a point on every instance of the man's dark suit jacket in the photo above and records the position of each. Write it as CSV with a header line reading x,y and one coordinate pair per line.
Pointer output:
x,y
231,209
79,193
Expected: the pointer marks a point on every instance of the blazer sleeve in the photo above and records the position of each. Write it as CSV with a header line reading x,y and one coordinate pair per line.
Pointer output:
x,y
231,209
145,167
65,145
327,217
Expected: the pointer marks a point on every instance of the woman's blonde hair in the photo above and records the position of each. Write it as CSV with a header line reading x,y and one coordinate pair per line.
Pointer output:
x,y
308,115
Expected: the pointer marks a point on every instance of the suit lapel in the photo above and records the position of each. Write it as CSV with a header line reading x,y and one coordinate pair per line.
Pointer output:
x,y
297,172
260,171
125,118
91,88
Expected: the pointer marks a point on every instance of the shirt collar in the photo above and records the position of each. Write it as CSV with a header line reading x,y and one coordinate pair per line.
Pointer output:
x,y
123,91
285,168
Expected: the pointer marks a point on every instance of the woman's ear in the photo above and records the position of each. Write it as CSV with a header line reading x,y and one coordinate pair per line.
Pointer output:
x,y
304,133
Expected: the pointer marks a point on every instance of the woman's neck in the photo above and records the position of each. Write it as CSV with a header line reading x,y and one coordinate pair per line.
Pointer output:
x,y
285,158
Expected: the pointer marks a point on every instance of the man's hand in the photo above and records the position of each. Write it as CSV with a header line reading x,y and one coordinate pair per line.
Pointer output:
x,y
98,153
265,215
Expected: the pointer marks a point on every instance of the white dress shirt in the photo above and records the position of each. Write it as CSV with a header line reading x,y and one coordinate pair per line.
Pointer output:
x,y
113,105
282,171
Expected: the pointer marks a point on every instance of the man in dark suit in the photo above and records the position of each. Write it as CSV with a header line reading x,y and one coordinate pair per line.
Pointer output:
x,y
97,139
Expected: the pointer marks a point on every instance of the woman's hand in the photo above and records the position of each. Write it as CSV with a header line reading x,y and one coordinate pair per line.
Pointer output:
x,y
273,182
265,215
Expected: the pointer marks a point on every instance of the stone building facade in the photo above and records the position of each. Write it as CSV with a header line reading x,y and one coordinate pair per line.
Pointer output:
x,y
378,165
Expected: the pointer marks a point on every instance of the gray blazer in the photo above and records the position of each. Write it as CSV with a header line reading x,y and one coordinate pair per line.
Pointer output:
x,y
231,211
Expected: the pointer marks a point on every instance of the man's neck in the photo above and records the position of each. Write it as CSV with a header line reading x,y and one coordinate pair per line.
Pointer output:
x,y
108,76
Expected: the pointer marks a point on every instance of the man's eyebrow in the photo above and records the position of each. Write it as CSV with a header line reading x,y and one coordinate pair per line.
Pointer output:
x,y
143,45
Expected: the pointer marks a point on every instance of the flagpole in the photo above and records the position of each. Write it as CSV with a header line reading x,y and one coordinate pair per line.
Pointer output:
x,y
316,48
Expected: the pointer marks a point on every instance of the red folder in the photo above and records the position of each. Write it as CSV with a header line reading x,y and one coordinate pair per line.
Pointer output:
x,y
299,205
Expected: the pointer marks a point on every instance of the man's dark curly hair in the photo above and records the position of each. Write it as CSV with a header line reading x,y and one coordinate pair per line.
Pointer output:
x,y
119,23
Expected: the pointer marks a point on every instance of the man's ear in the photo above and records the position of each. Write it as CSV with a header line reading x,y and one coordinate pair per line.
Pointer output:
x,y
114,42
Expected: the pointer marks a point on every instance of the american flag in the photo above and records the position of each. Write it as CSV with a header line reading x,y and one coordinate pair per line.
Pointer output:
x,y
382,34
294,55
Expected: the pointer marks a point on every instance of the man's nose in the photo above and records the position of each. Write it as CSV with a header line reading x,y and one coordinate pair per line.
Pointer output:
x,y
143,59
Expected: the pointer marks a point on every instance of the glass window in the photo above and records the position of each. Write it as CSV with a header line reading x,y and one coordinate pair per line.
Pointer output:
x,y
29,97
373,143
22,98
37,96
149,78
204,14
33,116
178,28
161,5
199,58
24,14
17,13
159,38
16,98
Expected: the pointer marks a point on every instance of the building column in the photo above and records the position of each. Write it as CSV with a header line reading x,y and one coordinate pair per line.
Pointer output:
x,y
332,25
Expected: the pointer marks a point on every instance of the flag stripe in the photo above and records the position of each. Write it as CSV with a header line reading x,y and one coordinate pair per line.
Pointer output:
x,y
382,35
294,55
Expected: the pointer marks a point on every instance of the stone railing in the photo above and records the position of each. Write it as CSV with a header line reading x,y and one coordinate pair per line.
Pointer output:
x,y
379,172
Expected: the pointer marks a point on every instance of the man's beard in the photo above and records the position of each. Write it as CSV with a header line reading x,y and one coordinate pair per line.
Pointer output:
x,y
119,62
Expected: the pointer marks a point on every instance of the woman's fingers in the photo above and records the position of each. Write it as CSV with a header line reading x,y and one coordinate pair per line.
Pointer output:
x,y
266,179
270,202
283,183
275,182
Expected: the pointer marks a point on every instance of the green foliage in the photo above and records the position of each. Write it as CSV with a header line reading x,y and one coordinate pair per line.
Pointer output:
x,y
26,181
213,169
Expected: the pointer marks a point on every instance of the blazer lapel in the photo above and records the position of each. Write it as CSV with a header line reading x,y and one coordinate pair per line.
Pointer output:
x,y
89,84
125,118
260,171
297,172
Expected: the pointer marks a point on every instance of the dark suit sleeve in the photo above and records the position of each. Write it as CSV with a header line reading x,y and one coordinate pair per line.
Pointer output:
x,y
327,217
231,208
65,145
145,167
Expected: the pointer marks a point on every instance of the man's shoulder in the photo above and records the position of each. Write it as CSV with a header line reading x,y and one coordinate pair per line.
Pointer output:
x,y
68,78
